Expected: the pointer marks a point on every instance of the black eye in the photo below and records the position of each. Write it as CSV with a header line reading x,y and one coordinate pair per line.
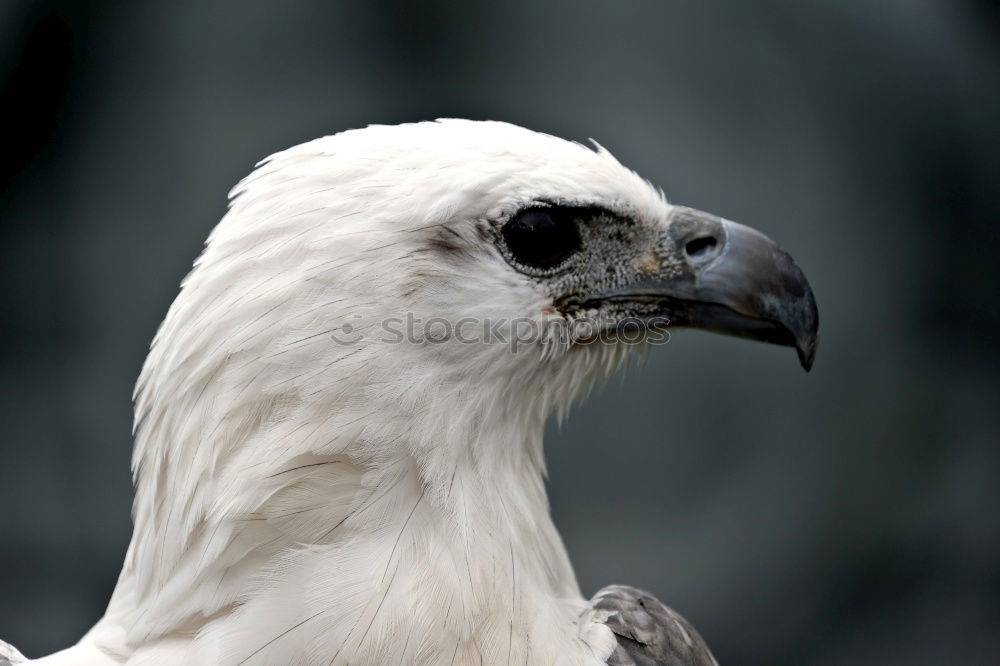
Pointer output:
x,y
542,237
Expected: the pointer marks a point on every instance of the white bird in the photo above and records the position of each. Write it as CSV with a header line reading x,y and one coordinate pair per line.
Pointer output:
x,y
338,439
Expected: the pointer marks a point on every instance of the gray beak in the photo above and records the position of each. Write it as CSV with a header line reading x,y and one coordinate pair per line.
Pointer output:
x,y
734,280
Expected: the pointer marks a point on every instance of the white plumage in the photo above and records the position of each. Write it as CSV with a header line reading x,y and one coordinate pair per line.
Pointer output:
x,y
300,500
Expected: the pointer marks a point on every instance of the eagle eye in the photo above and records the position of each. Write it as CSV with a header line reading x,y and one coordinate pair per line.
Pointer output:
x,y
542,237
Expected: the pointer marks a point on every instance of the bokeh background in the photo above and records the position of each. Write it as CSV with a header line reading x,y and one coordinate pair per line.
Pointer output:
x,y
849,516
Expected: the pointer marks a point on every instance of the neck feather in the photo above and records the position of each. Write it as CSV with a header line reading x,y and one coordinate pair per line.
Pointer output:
x,y
412,533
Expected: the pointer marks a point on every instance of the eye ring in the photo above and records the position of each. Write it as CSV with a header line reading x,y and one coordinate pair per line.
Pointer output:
x,y
542,238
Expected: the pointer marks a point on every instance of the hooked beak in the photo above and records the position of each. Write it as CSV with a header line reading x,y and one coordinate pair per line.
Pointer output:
x,y
733,280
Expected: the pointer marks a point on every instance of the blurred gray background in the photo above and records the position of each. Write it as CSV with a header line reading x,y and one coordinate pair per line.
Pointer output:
x,y
849,516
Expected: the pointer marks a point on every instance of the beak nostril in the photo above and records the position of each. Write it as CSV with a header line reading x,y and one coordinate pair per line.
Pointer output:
x,y
699,247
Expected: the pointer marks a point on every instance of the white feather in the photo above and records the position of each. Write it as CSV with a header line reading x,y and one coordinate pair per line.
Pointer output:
x,y
301,501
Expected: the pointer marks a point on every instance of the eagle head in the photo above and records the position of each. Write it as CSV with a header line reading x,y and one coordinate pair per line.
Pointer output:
x,y
429,292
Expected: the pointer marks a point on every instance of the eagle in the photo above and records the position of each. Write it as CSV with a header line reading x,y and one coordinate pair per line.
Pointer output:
x,y
338,429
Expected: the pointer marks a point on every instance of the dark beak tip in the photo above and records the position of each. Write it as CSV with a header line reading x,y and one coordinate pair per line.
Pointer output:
x,y
806,349
806,358
809,343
